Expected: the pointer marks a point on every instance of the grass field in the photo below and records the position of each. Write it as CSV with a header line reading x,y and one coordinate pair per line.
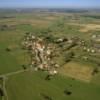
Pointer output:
x,y
74,76
31,85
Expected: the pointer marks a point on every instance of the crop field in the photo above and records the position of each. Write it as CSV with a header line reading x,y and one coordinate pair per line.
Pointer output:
x,y
77,71
78,77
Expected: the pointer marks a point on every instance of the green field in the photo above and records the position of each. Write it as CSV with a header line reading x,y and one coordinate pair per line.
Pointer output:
x,y
32,85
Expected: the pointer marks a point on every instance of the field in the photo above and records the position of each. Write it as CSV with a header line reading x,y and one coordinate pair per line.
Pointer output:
x,y
78,79
77,71
33,85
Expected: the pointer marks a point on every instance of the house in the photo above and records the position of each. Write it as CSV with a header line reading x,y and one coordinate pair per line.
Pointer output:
x,y
96,41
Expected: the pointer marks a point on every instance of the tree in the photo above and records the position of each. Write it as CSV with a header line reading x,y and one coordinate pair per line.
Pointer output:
x,y
1,92
95,71
67,92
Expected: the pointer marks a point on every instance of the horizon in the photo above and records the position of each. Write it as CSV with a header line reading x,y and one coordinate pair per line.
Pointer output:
x,y
72,4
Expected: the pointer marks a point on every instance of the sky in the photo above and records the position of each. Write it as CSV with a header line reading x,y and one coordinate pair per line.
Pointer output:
x,y
50,3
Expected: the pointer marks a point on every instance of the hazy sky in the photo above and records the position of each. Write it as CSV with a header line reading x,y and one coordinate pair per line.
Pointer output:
x,y
51,3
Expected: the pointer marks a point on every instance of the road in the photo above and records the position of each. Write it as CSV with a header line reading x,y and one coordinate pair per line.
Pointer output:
x,y
4,76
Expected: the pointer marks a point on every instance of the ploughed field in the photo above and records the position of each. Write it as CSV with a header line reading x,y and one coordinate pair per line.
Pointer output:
x,y
78,79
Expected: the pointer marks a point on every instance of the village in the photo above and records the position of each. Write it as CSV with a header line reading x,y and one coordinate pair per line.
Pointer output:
x,y
43,53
